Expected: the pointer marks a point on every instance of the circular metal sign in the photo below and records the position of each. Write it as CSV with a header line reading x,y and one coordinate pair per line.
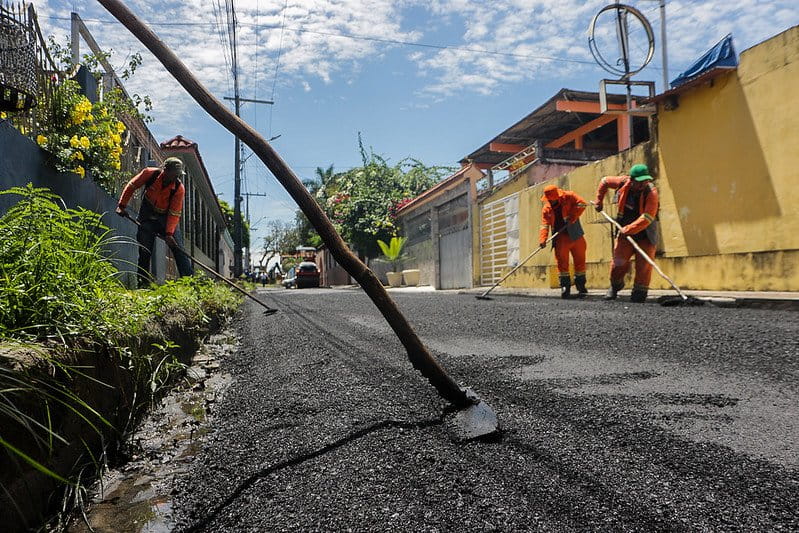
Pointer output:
x,y
621,14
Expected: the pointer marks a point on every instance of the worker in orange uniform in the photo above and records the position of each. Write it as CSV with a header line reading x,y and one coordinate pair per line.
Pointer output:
x,y
638,206
160,212
561,211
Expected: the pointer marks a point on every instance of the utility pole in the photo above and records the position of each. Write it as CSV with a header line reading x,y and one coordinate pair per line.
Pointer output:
x,y
248,194
247,216
237,228
663,45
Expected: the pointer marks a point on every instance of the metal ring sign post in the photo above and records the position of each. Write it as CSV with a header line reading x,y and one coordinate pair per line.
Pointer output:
x,y
622,12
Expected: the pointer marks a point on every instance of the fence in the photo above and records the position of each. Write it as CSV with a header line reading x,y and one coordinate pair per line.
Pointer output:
x,y
29,78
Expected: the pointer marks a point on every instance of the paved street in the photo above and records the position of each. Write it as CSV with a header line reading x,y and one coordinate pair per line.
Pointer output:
x,y
615,417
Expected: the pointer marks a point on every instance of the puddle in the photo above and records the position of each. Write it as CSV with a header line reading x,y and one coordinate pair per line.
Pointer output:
x,y
135,497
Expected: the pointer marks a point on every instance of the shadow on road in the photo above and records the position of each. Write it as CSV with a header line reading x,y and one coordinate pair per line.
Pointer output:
x,y
250,481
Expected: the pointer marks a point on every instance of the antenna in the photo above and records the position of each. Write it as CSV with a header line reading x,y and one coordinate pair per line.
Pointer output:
x,y
624,67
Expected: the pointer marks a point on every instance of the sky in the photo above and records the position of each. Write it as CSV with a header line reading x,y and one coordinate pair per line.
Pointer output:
x,y
428,79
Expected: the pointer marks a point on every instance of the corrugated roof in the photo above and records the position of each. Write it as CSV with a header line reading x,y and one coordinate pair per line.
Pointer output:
x,y
545,123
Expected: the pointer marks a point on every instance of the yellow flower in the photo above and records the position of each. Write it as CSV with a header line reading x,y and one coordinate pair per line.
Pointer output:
x,y
79,171
84,105
77,155
116,138
3,114
120,127
84,142
41,140
74,142
116,165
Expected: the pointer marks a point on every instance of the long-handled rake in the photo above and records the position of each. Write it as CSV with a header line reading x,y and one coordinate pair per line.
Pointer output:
x,y
484,296
667,301
269,310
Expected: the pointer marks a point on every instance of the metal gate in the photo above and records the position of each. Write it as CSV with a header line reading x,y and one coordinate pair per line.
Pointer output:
x,y
499,238
454,244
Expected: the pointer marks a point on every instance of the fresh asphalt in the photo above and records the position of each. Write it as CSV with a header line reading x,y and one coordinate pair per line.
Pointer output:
x,y
615,417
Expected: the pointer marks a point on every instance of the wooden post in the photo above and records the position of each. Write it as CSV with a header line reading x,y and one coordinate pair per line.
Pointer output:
x,y
418,354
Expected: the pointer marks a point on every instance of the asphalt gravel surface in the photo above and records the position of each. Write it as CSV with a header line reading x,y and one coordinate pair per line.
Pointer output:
x,y
615,417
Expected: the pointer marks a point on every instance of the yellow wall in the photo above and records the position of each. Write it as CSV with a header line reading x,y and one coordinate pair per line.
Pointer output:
x,y
727,161
729,152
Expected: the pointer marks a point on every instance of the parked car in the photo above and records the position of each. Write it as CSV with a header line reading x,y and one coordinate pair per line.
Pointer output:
x,y
290,281
307,275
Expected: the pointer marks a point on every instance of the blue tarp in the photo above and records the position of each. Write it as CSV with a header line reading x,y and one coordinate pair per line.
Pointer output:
x,y
721,55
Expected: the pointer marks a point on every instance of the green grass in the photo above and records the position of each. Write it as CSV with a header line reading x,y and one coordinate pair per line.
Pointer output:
x,y
60,294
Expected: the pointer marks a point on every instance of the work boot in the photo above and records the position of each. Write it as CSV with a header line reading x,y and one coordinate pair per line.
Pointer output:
x,y
638,295
565,286
613,291
579,282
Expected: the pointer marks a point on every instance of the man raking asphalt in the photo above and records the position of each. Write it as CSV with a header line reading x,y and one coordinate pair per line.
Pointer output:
x,y
269,310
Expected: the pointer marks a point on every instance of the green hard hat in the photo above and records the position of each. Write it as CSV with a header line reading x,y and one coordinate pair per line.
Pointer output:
x,y
640,172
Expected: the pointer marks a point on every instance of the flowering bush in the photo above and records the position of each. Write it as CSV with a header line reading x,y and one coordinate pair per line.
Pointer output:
x,y
83,136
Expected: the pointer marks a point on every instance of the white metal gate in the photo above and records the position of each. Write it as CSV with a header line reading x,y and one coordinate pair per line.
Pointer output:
x,y
499,237
454,244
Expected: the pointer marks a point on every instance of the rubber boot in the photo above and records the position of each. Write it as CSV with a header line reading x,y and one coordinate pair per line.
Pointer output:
x,y
638,295
565,286
579,282
613,291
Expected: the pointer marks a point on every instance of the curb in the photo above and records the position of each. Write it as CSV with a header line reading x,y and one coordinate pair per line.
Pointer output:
x,y
780,304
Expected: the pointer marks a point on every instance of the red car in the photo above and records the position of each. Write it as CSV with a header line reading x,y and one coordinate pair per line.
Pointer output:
x,y
307,275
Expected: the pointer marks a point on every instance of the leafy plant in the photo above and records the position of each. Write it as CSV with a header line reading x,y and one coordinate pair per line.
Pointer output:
x,y
54,269
393,251
362,202
84,136
60,295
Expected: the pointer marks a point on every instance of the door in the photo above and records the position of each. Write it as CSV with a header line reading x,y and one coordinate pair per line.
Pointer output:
x,y
454,244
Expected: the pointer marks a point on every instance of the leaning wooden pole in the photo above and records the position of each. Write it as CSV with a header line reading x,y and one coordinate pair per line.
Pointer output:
x,y
418,354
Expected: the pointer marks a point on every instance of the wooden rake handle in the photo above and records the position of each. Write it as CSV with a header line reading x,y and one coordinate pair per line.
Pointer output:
x,y
643,254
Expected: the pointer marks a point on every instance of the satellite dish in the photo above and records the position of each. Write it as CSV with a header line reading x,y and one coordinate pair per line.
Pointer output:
x,y
622,12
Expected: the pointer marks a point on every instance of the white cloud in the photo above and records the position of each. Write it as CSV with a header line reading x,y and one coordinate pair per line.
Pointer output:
x,y
520,40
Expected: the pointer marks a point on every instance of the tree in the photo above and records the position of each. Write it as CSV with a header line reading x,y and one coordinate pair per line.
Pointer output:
x,y
362,202
227,211
305,233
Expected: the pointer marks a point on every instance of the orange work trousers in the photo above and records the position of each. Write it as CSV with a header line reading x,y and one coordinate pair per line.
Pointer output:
x,y
563,247
622,253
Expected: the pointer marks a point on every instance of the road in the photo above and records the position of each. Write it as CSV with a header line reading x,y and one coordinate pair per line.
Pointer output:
x,y
614,416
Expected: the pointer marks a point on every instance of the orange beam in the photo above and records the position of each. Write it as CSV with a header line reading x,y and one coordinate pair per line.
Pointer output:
x,y
586,107
623,132
483,166
504,147
577,135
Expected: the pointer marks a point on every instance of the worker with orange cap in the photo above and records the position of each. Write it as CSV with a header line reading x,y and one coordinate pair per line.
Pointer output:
x,y
638,206
561,211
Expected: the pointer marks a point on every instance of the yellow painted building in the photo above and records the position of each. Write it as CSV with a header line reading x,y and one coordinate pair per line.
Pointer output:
x,y
726,162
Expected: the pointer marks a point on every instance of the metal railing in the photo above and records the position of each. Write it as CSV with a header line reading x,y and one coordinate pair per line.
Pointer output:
x,y
29,78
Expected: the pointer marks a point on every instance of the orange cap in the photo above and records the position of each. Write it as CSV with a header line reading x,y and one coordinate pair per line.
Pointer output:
x,y
551,193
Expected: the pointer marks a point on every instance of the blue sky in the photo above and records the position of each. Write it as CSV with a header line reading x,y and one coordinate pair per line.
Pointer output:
x,y
429,79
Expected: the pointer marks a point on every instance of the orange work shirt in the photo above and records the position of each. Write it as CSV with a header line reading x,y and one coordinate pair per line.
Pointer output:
x,y
158,196
647,204
571,207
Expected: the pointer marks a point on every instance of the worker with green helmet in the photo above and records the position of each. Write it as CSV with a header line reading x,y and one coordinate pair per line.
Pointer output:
x,y
637,208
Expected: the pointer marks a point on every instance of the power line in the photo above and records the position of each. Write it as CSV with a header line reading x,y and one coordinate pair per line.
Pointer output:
x,y
372,39
277,61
